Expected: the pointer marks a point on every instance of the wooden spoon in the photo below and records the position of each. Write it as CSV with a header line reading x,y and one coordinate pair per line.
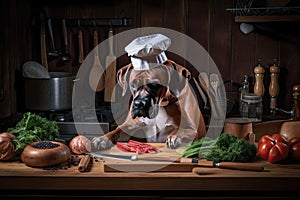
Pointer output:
x,y
110,75
204,83
96,78
215,83
80,46
203,79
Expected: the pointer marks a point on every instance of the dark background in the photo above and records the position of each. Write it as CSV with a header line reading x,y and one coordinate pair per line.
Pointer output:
x,y
206,21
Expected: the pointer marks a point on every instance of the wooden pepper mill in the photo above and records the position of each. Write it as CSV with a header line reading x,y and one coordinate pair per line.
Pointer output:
x,y
274,86
259,88
296,99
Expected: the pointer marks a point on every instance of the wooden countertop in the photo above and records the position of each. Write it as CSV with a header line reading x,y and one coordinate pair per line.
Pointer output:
x,y
15,175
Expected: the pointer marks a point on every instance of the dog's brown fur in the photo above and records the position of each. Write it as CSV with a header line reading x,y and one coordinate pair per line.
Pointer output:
x,y
183,119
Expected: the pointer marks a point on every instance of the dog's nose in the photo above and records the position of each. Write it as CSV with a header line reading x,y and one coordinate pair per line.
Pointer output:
x,y
139,103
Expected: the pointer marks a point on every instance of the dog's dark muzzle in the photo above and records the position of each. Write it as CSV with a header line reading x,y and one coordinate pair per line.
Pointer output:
x,y
144,107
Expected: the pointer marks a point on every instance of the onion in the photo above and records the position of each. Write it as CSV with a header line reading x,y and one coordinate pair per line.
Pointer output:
x,y
7,151
80,145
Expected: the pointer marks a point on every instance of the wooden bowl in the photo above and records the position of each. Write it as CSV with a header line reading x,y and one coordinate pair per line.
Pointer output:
x,y
239,127
38,154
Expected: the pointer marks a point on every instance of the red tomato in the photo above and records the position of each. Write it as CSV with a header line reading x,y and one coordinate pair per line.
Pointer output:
x,y
273,148
293,141
295,152
294,148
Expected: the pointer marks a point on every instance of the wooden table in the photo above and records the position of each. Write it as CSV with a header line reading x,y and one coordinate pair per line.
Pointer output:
x,y
277,180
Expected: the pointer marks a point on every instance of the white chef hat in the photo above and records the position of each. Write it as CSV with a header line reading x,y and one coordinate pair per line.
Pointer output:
x,y
148,51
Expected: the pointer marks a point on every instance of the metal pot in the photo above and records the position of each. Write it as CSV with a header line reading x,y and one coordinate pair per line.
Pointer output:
x,y
49,94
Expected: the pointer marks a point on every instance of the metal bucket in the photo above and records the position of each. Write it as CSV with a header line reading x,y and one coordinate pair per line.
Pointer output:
x,y
50,94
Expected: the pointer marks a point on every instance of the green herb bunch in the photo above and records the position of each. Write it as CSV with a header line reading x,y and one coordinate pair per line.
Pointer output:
x,y
225,147
32,128
230,148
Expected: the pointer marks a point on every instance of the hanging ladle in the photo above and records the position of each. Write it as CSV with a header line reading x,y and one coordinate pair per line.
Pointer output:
x,y
53,52
66,57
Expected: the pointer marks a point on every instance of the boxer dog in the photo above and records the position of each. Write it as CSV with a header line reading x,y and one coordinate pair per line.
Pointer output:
x,y
163,107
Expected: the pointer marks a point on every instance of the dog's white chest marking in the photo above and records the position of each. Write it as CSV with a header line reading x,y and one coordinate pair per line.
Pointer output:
x,y
151,126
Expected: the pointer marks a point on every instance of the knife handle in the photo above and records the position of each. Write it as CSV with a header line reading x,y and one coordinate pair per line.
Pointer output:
x,y
239,166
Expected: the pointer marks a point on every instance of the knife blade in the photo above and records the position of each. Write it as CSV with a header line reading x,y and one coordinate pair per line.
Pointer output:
x,y
115,156
135,157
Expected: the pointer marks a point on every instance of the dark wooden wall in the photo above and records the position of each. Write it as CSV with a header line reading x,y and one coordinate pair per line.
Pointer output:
x,y
206,21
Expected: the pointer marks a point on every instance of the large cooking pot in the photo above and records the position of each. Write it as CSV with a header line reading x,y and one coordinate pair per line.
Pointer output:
x,y
49,94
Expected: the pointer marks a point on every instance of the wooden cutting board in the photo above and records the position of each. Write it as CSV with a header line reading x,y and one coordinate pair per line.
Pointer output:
x,y
116,165
167,160
140,166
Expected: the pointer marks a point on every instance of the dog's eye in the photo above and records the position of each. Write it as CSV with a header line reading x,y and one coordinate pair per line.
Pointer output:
x,y
134,85
153,86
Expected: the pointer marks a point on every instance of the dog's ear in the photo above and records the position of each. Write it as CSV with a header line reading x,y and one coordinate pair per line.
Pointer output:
x,y
122,77
179,77
184,72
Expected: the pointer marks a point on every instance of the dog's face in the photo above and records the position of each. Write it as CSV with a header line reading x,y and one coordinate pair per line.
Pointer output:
x,y
148,87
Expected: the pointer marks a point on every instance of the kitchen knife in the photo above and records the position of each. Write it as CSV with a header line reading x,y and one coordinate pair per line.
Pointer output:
x,y
223,165
135,157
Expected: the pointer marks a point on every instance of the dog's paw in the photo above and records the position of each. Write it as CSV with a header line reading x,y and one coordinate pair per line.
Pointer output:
x,y
173,141
101,143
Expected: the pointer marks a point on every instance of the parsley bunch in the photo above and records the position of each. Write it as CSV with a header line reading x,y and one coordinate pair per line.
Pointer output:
x,y
33,128
230,148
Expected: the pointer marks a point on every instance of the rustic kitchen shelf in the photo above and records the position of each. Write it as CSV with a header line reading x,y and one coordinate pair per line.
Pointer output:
x,y
96,22
266,14
277,18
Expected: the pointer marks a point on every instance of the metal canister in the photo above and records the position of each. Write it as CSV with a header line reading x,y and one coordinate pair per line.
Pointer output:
x,y
251,107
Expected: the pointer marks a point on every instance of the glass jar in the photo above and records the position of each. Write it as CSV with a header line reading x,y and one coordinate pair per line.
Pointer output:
x,y
251,107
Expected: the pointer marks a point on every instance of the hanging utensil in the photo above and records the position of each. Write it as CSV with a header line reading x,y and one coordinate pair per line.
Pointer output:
x,y
66,57
200,91
53,52
96,78
43,42
215,84
204,83
110,74
80,44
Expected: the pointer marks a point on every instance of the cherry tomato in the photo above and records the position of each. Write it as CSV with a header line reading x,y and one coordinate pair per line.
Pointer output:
x,y
273,148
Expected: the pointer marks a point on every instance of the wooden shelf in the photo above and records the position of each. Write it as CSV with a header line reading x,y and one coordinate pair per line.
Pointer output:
x,y
274,18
